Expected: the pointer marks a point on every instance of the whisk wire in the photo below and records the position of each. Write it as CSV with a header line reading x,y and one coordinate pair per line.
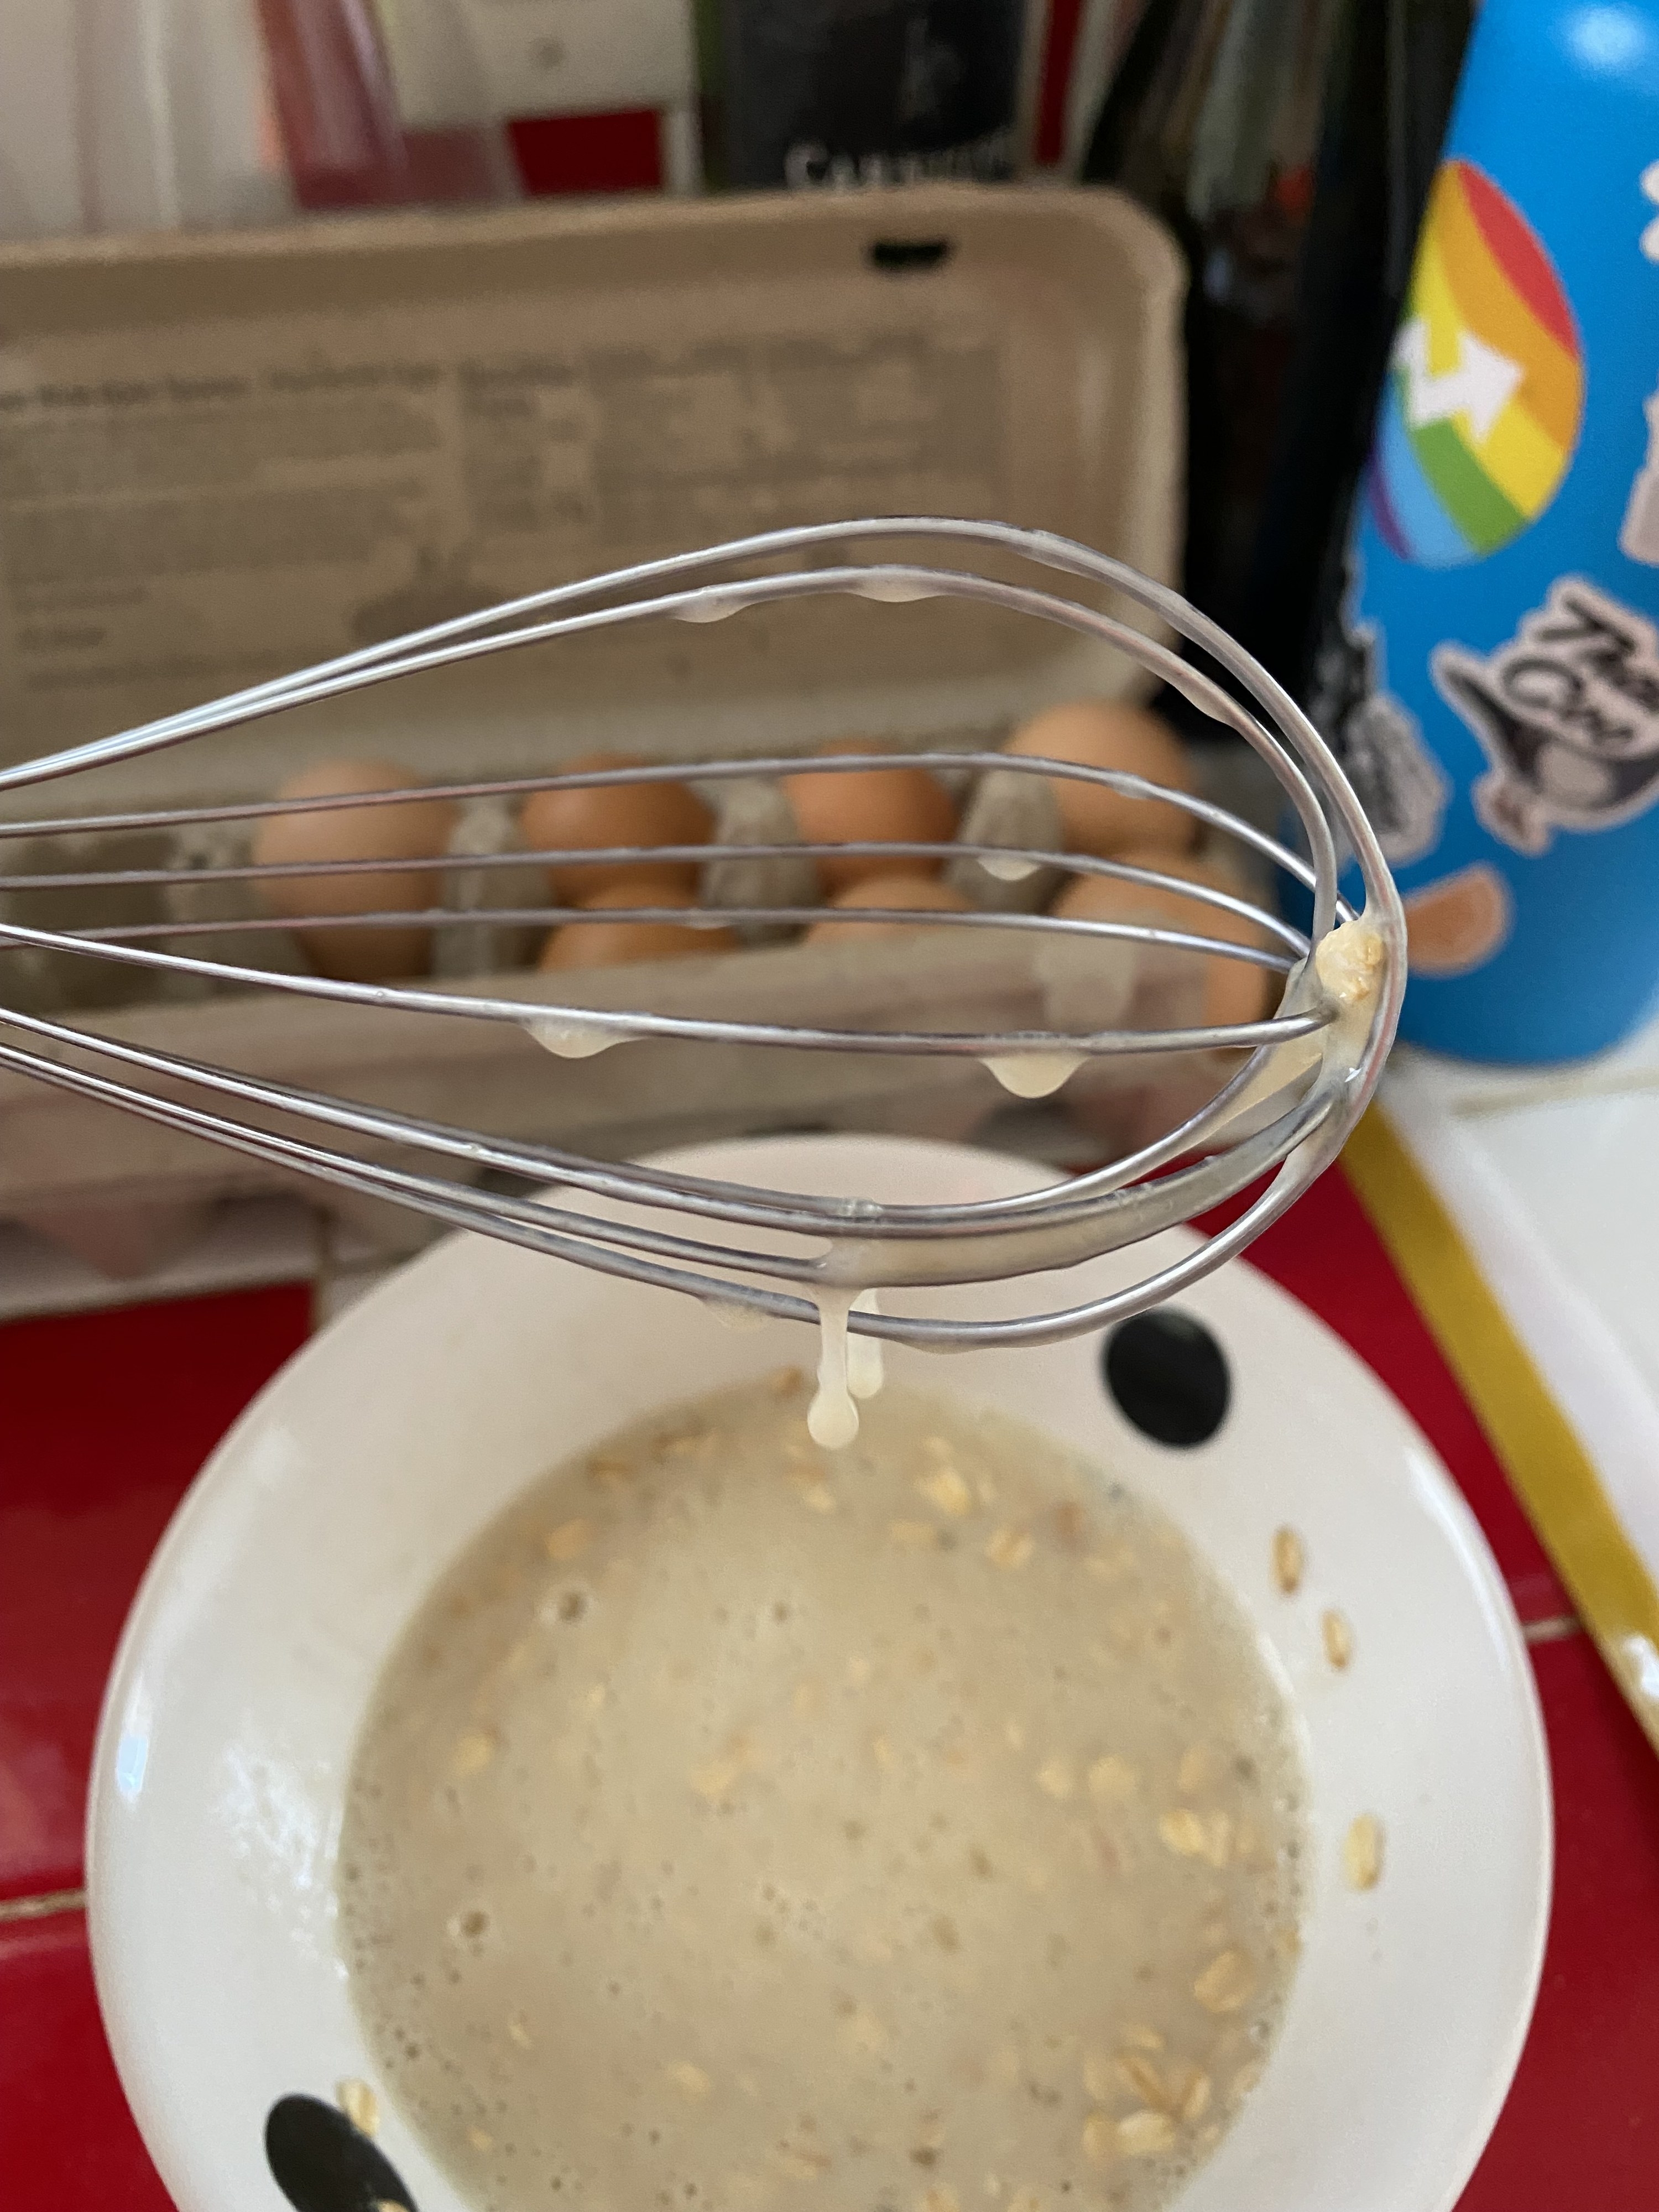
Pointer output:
x,y
714,602
1297,1078
618,1248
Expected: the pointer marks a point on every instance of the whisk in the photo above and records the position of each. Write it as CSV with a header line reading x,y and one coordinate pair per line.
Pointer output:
x,y
1303,1075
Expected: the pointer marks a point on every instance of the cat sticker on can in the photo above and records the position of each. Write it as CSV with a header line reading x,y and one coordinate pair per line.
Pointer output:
x,y
1377,739
1567,713
1639,534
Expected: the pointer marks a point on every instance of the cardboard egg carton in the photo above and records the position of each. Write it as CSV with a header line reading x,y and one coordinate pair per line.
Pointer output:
x,y
225,456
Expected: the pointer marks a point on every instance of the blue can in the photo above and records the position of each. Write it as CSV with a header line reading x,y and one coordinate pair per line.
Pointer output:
x,y
1494,689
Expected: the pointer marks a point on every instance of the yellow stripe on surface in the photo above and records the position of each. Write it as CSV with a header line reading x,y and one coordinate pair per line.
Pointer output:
x,y
1548,1467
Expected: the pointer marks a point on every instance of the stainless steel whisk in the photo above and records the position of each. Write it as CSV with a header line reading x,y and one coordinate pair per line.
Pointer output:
x,y
1305,1071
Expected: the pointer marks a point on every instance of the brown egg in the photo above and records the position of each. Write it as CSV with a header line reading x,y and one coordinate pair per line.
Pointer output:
x,y
610,944
916,894
591,819
416,829
1108,734
901,805
1234,991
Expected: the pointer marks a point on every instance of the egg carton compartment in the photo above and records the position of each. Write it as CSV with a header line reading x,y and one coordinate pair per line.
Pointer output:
x,y
67,1164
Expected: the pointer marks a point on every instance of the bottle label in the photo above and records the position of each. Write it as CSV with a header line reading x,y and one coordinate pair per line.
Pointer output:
x,y
838,93
1567,713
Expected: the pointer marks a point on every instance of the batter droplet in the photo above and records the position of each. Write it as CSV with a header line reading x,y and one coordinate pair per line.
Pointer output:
x,y
832,1418
574,1040
1034,1074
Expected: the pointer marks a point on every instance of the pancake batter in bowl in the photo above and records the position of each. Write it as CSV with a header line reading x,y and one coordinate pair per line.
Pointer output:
x,y
738,1824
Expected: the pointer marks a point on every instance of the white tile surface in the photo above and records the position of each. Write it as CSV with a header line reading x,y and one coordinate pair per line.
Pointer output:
x,y
1545,1199
1466,1086
1578,1150
1586,1170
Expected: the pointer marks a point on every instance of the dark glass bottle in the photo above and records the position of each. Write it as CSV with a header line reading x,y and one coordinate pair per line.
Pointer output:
x,y
1395,74
1289,145
816,93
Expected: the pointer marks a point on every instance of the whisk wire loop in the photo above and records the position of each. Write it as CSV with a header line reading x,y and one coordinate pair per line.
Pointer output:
x,y
1282,1104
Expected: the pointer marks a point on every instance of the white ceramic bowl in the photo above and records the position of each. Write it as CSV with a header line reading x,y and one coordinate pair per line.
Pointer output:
x,y
398,1433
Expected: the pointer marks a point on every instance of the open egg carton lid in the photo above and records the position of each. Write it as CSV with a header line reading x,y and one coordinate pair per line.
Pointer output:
x,y
223,457
226,456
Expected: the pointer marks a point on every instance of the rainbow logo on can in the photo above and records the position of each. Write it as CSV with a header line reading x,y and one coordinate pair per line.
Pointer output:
x,y
1487,388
